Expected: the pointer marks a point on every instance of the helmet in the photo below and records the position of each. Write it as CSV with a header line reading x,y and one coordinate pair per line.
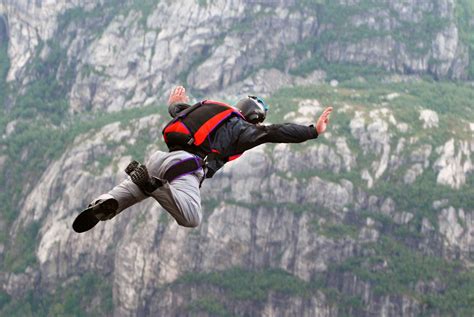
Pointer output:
x,y
253,108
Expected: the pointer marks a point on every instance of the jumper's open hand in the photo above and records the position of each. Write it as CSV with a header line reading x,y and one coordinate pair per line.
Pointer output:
x,y
178,95
323,120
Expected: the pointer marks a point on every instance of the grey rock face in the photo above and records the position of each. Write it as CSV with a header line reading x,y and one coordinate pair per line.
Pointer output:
x,y
143,248
19,284
157,252
267,81
29,23
457,228
61,252
383,50
430,118
272,207
454,163
211,54
412,173
137,56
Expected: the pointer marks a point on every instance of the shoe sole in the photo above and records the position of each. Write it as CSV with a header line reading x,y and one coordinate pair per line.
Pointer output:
x,y
87,219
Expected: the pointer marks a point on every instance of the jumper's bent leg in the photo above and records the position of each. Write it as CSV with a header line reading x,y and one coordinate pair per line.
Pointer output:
x,y
127,194
182,197
124,194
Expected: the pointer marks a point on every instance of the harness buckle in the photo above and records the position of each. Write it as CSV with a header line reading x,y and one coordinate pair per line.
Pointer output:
x,y
191,141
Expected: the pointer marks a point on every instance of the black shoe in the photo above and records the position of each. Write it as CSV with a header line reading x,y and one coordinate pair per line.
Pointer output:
x,y
100,210
106,209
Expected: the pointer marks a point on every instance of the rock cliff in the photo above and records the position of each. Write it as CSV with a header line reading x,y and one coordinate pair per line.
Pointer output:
x,y
135,50
375,217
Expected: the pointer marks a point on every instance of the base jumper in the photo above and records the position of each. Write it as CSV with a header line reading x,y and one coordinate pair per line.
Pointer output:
x,y
201,138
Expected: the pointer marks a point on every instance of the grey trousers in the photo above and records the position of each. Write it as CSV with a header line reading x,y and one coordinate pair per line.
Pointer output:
x,y
181,198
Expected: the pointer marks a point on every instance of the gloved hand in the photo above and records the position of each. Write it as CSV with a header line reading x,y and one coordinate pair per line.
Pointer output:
x,y
139,175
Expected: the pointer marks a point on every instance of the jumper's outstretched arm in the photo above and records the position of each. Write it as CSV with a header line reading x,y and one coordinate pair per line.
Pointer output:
x,y
323,120
178,95
177,101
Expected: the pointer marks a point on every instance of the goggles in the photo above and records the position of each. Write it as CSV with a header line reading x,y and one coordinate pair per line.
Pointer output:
x,y
261,102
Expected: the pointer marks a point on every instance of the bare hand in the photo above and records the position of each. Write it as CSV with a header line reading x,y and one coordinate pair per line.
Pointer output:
x,y
178,95
323,120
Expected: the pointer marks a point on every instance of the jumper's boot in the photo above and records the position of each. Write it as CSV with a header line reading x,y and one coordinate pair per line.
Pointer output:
x,y
106,207
103,208
140,176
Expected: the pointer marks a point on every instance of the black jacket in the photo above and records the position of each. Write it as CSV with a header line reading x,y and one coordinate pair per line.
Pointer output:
x,y
236,135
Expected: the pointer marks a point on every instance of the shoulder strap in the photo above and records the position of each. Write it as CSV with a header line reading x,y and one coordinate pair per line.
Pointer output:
x,y
237,112
206,118
187,111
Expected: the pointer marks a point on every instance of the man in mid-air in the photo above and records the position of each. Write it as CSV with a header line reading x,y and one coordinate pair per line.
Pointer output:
x,y
201,138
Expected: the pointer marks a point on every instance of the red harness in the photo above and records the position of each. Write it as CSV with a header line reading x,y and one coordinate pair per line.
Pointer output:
x,y
190,130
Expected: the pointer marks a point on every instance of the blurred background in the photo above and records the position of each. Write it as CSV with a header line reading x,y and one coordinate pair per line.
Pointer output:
x,y
374,218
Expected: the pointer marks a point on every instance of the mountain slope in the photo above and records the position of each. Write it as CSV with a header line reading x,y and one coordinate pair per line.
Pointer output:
x,y
375,213
375,217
